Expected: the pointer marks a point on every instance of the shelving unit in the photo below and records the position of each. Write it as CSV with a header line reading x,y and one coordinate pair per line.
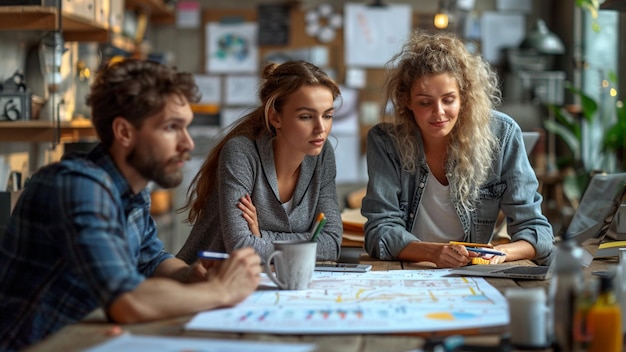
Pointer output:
x,y
45,18
45,131
158,12
74,28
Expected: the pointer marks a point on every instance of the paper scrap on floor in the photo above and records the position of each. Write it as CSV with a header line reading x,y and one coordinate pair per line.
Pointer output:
x,y
133,343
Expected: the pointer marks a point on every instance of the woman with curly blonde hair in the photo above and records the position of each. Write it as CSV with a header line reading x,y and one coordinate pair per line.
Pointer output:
x,y
270,176
446,163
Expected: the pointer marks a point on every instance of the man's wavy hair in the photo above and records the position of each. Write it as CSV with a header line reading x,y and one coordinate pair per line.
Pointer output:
x,y
135,89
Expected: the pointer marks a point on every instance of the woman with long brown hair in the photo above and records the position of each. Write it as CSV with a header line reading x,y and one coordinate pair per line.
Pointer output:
x,y
273,173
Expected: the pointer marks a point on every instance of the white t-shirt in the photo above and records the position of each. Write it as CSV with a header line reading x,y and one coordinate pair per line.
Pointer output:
x,y
288,205
437,220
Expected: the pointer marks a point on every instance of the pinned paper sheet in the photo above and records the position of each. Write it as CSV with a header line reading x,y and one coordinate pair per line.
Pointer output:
x,y
231,47
356,78
188,14
241,90
5,171
210,88
373,34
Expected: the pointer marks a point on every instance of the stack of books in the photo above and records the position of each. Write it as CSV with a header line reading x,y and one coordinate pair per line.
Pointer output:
x,y
353,221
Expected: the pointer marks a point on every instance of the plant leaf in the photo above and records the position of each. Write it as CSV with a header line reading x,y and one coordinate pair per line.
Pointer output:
x,y
570,139
589,105
615,135
566,119
574,184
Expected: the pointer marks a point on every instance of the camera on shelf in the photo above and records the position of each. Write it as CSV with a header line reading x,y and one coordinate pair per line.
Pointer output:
x,y
15,99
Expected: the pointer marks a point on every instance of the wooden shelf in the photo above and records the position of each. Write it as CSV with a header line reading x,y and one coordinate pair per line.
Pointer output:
x,y
44,131
158,12
74,28
45,18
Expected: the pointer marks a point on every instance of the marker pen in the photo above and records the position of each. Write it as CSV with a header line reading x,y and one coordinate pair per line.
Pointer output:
x,y
212,255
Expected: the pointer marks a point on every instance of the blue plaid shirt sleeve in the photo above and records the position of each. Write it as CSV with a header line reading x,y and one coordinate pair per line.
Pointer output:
x,y
78,238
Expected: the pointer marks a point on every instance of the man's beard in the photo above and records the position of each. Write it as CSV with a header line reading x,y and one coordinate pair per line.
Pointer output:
x,y
151,169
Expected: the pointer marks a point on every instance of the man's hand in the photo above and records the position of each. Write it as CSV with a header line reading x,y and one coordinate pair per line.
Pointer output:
x,y
238,275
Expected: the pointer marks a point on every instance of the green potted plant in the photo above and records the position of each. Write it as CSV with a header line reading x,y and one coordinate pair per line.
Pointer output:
x,y
615,137
594,141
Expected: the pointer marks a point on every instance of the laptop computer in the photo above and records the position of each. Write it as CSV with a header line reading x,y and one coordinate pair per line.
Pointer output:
x,y
530,140
588,227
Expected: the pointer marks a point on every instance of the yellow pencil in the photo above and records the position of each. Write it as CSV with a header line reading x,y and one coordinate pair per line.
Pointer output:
x,y
319,218
319,228
469,244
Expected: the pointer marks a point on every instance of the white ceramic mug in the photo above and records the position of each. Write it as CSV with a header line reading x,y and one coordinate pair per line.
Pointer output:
x,y
294,262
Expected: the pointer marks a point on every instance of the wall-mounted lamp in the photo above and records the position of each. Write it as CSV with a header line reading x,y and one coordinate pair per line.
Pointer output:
x,y
444,15
51,50
618,5
542,40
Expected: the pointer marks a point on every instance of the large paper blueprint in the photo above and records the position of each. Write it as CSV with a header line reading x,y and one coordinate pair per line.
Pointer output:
x,y
372,302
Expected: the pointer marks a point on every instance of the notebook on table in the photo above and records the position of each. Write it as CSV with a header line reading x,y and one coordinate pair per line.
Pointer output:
x,y
588,227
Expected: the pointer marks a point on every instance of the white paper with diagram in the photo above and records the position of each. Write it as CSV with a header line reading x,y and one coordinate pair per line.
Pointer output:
x,y
372,302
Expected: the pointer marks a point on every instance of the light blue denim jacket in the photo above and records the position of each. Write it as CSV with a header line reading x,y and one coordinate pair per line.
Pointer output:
x,y
393,195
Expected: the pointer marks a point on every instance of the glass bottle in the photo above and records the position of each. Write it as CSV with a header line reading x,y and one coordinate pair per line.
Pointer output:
x,y
82,82
604,320
584,301
620,285
567,282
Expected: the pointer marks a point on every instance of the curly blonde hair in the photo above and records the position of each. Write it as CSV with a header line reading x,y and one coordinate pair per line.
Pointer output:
x,y
471,142
280,81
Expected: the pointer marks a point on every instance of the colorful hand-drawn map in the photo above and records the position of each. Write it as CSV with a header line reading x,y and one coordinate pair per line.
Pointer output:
x,y
372,302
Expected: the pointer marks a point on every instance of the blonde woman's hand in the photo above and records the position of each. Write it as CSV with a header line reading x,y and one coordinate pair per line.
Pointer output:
x,y
453,256
249,214
497,259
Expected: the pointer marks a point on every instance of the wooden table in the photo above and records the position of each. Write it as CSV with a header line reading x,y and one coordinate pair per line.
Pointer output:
x,y
94,329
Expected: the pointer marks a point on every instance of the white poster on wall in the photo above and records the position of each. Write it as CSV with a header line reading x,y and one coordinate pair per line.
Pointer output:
x,y
242,90
346,118
210,89
372,35
231,47
231,115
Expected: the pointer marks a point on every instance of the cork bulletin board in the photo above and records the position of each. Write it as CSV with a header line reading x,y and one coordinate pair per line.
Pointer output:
x,y
297,38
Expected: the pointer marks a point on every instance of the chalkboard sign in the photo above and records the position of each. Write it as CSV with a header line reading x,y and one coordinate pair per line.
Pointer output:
x,y
273,24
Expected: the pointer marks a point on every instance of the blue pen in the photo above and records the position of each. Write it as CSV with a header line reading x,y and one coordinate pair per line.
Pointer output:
x,y
484,251
212,255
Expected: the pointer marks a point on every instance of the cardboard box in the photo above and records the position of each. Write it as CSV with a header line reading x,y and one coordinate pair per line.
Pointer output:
x,y
81,8
116,20
102,12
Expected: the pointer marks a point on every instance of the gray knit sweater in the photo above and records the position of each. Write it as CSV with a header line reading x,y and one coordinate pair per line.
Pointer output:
x,y
247,167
